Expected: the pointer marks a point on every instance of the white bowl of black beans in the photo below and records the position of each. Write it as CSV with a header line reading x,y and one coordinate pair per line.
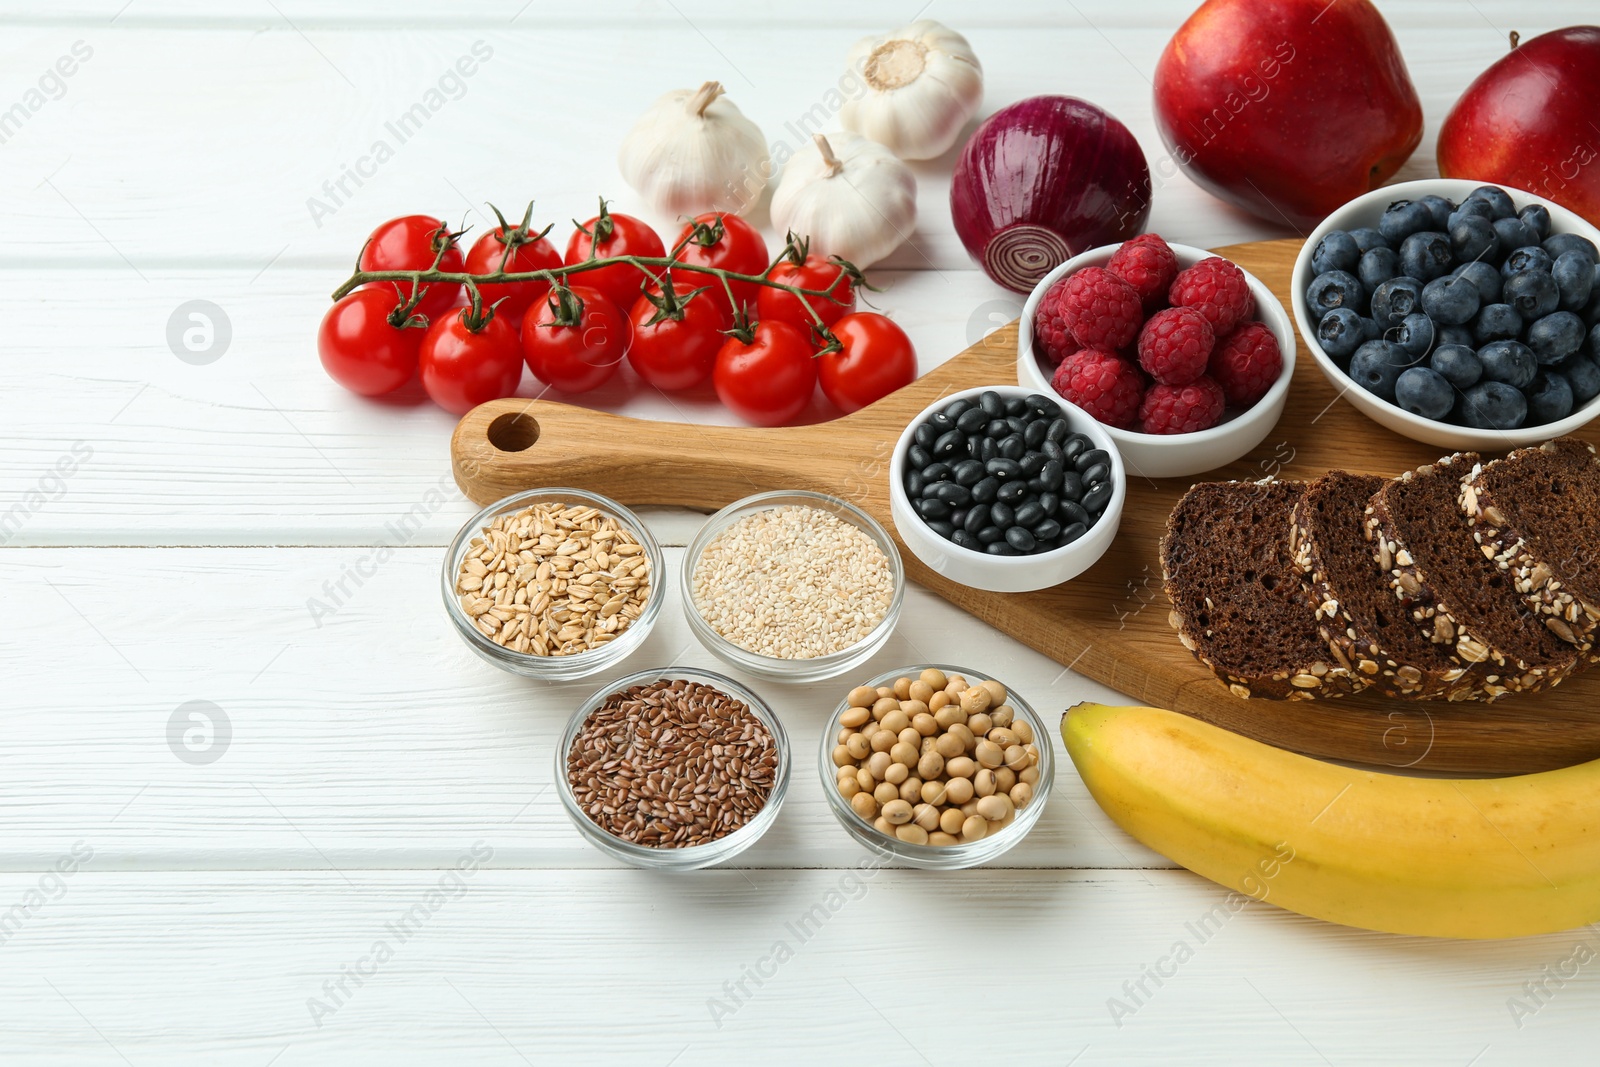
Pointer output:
x,y
1006,489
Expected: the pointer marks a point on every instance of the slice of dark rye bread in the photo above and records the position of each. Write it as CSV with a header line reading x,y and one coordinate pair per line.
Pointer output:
x,y
1238,603
1536,513
1357,615
1456,595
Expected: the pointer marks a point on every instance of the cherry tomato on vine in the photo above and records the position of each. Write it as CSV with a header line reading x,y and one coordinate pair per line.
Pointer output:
x,y
769,379
463,366
575,339
366,343
613,235
410,243
775,305
727,242
512,249
877,359
675,349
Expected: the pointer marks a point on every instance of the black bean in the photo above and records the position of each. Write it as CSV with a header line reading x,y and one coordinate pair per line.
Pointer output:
x,y
1013,447
1051,475
941,422
1073,447
933,510
1040,404
1017,425
958,518
1030,514
930,488
1050,502
977,518
1052,449
986,490
950,443
990,401
997,428
1033,463
918,457
1096,499
1002,515
1058,431
1001,548
936,472
1073,513
1020,539
967,540
1035,485
914,483
1071,486
1097,474
943,529
1034,434
1088,459
1012,493
957,496
1048,530
926,435
990,534
1016,406
954,409
987,449
1073,532
972,420
968,472
1004,468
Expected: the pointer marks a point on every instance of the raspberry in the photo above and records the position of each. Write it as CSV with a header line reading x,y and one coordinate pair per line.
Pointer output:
x,y
1052,339
1147,264
1246,364
1182,408
1103,384
1175,345
1100,309
1217,289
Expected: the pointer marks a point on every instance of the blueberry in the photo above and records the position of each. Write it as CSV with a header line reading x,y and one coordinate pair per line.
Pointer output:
x,y
1395,299
1340,333
1472,206
1439,209
1497,198
1574,276
1450,301
1335,289
1525,257
1510,362
1549,398
1514,233
1533,293
1557,243
1414,334
1594,341
1367,238
1454,335
1424,392
1403,218
1457,364
1538,218
1494,406
1377,266
1426,255
1336,251
1377,365
1583,374
1496,322
1486,276
1472,237
1555,337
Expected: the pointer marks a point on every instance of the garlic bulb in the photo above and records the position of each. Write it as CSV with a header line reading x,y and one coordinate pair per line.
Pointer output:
x,y
849,195
694,151
923,83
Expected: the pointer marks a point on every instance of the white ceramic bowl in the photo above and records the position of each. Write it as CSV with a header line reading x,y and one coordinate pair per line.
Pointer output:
x,y
1151,455
1007,574
1364,211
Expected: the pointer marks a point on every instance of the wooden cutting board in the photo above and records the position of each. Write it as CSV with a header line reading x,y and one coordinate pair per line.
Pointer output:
x,y
1109,624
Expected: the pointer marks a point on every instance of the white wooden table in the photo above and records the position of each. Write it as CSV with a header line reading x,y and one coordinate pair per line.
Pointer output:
x,y
234,893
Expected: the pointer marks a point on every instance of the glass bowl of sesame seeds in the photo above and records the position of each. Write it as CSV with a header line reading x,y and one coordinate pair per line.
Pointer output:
x,y
792,586
554,583
673,768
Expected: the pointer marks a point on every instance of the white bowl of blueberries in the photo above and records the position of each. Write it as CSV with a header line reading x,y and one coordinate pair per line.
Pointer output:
x,y
1006,489
1456,313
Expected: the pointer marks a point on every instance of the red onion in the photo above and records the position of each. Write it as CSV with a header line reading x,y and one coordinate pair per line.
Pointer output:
x,y
1041,181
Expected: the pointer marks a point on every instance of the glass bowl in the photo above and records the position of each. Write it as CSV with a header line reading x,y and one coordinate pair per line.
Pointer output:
x,y
817,668
554,668
938,857
691,857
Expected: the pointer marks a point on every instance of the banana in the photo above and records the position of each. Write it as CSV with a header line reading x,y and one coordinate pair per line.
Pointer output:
x,y
1473,858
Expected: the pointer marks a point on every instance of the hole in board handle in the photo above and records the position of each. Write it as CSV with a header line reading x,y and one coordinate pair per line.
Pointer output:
x,y
515,431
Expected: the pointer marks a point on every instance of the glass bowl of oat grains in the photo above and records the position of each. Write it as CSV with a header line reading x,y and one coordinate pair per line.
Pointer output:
x,y
792,586
554,583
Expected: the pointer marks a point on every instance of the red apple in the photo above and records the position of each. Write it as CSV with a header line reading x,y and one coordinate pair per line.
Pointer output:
x,y
1286,108
1530,121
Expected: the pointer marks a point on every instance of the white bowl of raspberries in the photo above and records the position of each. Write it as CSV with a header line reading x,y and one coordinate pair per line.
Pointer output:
x,y
1183,357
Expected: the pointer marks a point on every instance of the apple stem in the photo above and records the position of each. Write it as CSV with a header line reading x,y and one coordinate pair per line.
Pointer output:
x,y
1515,37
